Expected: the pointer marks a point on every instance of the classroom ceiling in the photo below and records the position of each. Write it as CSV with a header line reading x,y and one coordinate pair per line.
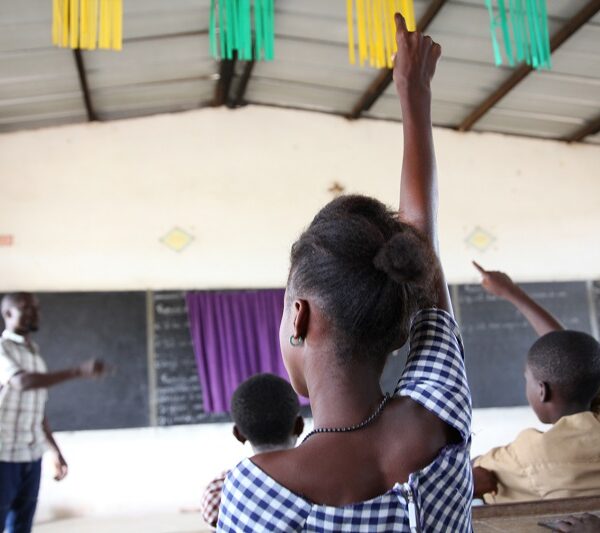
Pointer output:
x,y
165,66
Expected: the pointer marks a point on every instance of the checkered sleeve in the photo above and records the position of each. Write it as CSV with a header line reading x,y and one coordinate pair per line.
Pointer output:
x,y
435,374
252,501
211,499
8,366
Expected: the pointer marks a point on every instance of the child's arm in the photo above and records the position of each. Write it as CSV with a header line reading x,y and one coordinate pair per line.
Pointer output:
x,y
414,67
500,285
484,482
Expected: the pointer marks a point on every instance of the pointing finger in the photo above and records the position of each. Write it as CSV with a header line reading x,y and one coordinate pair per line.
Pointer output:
x,y
400,23
481,270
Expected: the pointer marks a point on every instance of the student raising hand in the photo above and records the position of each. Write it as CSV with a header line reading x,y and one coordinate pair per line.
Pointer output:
x,y
499,284
496,283
416,59
414,67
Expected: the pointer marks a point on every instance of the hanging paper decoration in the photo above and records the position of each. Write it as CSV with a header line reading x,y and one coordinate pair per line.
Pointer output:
x,y
527,22
371,25
231,29
87,24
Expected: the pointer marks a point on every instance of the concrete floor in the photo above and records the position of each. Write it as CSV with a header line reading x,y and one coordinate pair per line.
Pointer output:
x,y
176,523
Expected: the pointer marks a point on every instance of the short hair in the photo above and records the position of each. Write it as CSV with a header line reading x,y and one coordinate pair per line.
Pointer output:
x,y
568,360
265,409
12,298
369,272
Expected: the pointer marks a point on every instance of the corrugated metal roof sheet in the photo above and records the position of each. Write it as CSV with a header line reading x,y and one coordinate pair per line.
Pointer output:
x,y
166,66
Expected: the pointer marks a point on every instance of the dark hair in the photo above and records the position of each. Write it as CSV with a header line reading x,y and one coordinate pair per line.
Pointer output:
x,y
569,361
369,272
265,409
13,298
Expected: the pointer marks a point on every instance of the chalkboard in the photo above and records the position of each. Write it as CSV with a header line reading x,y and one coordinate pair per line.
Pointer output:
x,y
146,338
111,326
497,337
178,395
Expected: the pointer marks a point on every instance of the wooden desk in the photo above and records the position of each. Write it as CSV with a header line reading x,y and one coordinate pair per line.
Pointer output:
x,y
523,517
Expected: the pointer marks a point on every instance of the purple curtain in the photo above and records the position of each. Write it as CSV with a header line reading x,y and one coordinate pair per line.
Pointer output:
x,y
235,335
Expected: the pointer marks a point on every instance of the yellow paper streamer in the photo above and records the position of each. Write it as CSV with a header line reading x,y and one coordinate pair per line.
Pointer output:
x,y
87,24
376,29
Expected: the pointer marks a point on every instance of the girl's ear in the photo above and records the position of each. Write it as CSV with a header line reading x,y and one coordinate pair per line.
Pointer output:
x,y
301,318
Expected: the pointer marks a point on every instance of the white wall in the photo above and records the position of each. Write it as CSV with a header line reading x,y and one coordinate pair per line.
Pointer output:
x,y
87,204
161,470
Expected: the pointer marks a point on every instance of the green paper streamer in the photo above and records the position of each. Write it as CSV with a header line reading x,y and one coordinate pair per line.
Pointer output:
x,y
506,33
517,29
493,26
245,27
212,29
524,28
258,29
543,10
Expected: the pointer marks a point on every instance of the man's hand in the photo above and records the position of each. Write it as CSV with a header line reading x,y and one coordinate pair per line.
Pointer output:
x,y
416,59
484,481
586,523
497,283
93,368
61,469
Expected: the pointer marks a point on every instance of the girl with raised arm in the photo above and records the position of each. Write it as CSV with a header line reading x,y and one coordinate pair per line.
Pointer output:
x,y
364,280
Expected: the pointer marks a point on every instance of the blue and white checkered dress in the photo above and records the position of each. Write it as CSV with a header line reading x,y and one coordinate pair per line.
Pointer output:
x,y
434,377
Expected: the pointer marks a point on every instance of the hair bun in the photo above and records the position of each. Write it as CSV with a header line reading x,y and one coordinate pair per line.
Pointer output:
x,y
404,258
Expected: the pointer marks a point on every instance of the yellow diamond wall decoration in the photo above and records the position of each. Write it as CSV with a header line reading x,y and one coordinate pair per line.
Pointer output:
x,y
480,239
177,239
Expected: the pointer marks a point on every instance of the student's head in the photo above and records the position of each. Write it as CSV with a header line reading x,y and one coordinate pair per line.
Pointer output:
x,y
266,412
562,373
20,311
357,276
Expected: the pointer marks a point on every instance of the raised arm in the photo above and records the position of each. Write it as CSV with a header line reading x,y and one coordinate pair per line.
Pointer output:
x,y
500,285
33,380
414,67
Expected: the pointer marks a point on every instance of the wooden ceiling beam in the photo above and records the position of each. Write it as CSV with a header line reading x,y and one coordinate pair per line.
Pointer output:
x,y
380,84
83,83
518,75
226,73
239,99
591,128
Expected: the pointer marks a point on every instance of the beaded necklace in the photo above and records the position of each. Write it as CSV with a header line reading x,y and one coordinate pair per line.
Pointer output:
x,y
355,427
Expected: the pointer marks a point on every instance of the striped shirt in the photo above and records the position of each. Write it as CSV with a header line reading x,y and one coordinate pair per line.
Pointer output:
x,y
434,499
22,436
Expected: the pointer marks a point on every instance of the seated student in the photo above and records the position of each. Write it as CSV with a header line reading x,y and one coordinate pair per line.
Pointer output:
x,y
363,280
266,412
562,377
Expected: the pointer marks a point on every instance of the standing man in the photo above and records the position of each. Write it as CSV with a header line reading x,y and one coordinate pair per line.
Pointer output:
x,y
24,429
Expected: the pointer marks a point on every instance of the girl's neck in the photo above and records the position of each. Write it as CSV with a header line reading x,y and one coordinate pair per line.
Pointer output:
x,y
343,394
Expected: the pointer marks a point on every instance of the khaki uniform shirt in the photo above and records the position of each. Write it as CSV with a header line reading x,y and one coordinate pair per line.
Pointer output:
x,y
563,462
22,437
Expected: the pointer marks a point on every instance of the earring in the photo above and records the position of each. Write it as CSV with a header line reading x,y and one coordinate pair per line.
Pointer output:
x,y
299,341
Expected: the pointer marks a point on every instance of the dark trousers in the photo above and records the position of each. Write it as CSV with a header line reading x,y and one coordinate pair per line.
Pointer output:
x,y
19,487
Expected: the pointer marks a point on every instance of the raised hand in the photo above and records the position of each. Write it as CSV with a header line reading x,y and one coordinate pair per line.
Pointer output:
x,y
496,283
500,285
93,368
416,59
